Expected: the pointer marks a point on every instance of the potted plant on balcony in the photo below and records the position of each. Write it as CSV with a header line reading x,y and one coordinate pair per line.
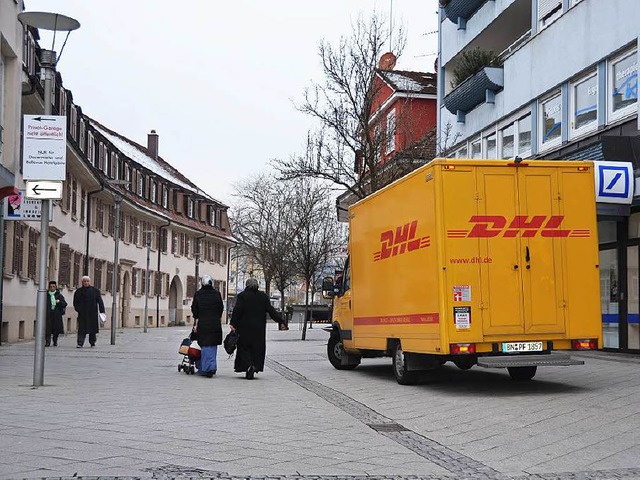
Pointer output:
x,y
472,62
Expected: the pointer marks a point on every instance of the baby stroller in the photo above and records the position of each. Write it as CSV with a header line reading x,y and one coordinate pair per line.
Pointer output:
x,y
190,351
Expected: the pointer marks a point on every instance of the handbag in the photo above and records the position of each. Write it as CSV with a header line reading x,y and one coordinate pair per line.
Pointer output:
x,y
230,342
102,317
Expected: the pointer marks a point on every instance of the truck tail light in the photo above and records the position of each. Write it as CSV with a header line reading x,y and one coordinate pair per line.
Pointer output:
x,y
586,344
462,348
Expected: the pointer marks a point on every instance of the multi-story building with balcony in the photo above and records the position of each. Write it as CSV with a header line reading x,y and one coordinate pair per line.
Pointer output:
x,y
562,83
166,221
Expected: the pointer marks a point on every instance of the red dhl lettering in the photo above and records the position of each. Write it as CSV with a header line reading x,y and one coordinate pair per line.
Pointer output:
x,y
401,241
488,226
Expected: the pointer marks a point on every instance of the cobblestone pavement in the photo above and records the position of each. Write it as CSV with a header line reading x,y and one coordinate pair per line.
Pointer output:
x,y
124,411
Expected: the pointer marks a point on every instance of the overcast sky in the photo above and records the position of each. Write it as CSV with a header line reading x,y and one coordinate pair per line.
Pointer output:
x,y
215,79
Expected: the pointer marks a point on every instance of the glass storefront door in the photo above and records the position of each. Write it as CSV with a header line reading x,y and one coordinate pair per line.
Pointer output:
x,y
610,297
633,300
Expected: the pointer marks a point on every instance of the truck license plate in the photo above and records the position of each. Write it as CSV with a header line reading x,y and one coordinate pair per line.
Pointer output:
x,y
516,347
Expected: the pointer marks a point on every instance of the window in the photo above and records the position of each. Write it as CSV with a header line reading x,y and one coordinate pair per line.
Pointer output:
x,y
377,141
83,130
551,121
476,148
524,136
575,2
128,177
91,149
212,216
584,104
548,11
153,192
391,131
490,146
623,85
140,189
165,197
462,153
507,137
190,208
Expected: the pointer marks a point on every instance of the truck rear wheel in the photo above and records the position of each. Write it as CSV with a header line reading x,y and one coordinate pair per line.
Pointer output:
x,y
522,373
403,376
335,351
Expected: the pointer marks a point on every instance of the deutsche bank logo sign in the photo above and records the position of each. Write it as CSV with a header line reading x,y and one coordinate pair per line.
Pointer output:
x,y
614,182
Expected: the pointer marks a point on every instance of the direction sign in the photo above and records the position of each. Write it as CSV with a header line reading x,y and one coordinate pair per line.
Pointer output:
x,y
43,189
44,147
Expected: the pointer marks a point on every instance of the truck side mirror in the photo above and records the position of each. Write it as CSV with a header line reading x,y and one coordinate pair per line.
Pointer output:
x,y
328,287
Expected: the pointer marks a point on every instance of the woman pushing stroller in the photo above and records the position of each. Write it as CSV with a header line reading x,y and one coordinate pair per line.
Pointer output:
x,y
207,310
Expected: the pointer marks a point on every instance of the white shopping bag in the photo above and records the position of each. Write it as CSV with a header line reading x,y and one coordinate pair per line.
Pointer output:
x,y
103,318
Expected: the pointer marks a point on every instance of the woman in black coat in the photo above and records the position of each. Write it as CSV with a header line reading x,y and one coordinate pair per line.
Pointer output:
x,y
88,302
249,318
56,305
207,309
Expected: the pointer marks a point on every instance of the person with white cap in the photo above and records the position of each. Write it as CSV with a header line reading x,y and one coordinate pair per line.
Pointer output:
x,y
207,310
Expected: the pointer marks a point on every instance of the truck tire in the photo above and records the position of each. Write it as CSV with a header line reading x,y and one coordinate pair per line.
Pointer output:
x,y
403,376
464,363
522,373
335,350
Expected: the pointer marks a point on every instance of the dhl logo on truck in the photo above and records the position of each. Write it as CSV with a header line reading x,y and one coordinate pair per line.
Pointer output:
x,y
401,241
487,226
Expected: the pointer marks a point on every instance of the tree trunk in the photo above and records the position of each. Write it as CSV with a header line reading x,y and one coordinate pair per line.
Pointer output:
x,y
306,311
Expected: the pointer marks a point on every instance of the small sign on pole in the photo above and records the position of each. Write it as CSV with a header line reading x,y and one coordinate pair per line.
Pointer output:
x,y
45,147
18,207
43,189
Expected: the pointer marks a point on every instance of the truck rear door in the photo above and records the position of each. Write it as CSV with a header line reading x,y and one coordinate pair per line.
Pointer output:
x,y
519,228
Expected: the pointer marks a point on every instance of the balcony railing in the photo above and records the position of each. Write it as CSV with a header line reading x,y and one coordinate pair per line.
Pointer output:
x,y
475,90
455,9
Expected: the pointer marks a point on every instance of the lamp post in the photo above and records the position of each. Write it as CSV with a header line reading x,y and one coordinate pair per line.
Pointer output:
x,y
48,61
117,200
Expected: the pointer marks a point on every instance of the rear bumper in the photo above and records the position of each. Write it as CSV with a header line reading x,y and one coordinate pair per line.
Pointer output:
x,y
553,359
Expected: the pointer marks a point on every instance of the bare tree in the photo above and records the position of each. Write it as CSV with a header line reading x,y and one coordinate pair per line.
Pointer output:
x,y
317,235
262,220
344,107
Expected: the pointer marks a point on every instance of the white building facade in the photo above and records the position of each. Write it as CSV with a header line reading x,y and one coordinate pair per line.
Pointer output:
x,y
565,86
166,221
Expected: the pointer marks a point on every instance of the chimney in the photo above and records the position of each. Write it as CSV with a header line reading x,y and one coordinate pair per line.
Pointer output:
x,y
387,61
152,144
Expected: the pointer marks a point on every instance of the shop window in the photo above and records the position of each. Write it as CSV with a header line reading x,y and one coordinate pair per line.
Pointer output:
x,y
551,121
490,146
507,136
584,104
623,85
476,148
524,136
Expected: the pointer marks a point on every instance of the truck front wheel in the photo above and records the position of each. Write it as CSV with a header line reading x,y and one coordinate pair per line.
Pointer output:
x,y
335,351
403,376
522,373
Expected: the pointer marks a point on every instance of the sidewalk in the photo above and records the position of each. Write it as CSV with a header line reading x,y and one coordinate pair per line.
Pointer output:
x,y
125,410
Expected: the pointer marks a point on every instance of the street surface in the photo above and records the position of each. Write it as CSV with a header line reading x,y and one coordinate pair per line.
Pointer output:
x,y
125,411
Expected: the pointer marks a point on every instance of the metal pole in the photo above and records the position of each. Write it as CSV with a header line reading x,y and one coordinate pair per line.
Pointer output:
x,y
146,284
114,281
48,60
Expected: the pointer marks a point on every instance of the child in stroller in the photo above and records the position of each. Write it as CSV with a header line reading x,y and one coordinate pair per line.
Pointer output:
x,y
190,351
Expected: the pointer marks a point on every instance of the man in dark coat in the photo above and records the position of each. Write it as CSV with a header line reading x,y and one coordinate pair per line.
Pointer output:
x,y
249,318
56,305
207,309
88,302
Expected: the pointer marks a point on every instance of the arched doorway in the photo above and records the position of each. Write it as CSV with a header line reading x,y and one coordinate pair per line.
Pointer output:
x,y
125,304
175,302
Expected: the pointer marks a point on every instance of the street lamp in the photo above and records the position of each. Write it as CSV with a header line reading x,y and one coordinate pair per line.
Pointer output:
x,y
117,200
48,61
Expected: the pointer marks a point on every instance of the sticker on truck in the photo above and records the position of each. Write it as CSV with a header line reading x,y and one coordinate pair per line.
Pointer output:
x,y
461,293
462,317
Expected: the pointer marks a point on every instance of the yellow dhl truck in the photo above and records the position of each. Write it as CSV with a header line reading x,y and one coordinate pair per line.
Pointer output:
x,y
477,262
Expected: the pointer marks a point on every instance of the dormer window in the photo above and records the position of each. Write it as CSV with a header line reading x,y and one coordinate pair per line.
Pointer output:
x,y
190,208
165,197
153,192
212,216
128,177
140,189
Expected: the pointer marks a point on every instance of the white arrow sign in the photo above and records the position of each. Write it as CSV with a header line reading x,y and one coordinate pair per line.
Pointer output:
x,y
45,147
43,189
